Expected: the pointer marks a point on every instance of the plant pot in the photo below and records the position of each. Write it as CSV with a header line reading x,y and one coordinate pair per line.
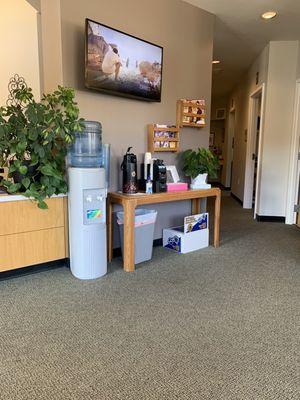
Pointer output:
x,y
31,171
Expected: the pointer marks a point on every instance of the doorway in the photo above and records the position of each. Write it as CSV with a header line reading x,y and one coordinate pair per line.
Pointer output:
x,y
297,185
230,148
256,145
293,192
298,202
253,153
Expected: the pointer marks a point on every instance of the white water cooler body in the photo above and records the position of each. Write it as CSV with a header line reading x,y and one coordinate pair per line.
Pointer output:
x,y
87,222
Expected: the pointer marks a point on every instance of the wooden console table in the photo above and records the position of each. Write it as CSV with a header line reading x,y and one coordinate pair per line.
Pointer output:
x,y
130,202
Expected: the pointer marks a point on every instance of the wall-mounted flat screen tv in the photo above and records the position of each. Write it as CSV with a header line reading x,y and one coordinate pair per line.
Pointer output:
x,y
121,64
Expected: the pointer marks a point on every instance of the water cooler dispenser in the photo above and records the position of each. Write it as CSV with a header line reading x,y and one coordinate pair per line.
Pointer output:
x,y
88,182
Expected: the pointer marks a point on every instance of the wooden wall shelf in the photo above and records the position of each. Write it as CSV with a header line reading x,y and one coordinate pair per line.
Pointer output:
x,y
190,113
163,138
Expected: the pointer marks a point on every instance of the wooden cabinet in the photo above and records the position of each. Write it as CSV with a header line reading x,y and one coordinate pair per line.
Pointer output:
x,y
29,235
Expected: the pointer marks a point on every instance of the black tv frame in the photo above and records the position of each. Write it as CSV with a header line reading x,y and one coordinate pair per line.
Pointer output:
x,y
113,92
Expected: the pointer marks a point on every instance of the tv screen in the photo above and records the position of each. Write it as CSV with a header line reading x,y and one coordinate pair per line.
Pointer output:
x,y
121,64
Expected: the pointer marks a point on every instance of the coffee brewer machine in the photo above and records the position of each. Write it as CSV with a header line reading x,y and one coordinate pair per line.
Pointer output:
x,y
129,168
156,171
159,176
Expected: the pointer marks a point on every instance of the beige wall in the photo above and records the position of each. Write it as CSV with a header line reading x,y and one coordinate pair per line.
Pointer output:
x,y
220,102
281,84
51,45
298,62
186,34
19,45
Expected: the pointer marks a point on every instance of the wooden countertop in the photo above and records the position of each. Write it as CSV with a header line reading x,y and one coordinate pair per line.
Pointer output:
x,y
162,197
19,197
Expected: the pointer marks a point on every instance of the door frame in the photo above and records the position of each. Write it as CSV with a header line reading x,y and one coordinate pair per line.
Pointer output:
x,y
294,169
230,149
252,132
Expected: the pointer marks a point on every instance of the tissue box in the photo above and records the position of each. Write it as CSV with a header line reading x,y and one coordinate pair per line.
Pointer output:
x,y
183,240
177,187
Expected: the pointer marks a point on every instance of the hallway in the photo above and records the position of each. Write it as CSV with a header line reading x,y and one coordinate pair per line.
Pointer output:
x,y
215,324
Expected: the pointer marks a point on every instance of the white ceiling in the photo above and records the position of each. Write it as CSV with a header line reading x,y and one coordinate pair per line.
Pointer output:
x,y
241,34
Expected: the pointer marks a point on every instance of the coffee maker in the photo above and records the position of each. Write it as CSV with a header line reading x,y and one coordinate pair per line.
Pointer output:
x,y
129,168
159,176
156,171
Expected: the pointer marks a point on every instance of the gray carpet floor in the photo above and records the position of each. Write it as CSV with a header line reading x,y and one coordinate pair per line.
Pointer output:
x,y
215,324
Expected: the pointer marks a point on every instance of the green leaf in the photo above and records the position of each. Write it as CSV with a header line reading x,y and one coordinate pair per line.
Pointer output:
x,y
31,114
12,168
33,187
14,187
28,193
23,169
45,180
42,205
50,191
34,159
47,170
21,146
41,151
63,187
26,182
33,134
6,183
17,163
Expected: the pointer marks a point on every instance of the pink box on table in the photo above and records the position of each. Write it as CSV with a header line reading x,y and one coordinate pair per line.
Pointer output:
x,y
177,187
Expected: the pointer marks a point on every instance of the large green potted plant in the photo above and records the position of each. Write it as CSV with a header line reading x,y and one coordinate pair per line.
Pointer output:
x,y
34,137
199,165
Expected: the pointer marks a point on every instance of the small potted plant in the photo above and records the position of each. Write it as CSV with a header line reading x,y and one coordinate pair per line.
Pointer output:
x,y
199,165
34,137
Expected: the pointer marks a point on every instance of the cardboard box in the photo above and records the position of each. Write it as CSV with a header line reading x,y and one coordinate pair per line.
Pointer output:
x,y
195,222
183,239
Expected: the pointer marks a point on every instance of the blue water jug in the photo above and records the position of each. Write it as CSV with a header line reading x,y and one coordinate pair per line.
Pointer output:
x,y
86,151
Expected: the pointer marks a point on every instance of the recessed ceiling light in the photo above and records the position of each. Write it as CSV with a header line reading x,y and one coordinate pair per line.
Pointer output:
x,y
216,61
269,15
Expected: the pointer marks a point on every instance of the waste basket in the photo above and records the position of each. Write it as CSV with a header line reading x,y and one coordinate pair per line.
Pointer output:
x,y
143,233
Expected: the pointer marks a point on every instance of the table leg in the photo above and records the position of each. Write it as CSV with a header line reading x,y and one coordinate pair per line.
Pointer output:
x,y
128,252
203,205
195,206
217,220
109,230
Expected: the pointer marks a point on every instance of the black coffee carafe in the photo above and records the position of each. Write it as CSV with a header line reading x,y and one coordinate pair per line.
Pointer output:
x,y
129,168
